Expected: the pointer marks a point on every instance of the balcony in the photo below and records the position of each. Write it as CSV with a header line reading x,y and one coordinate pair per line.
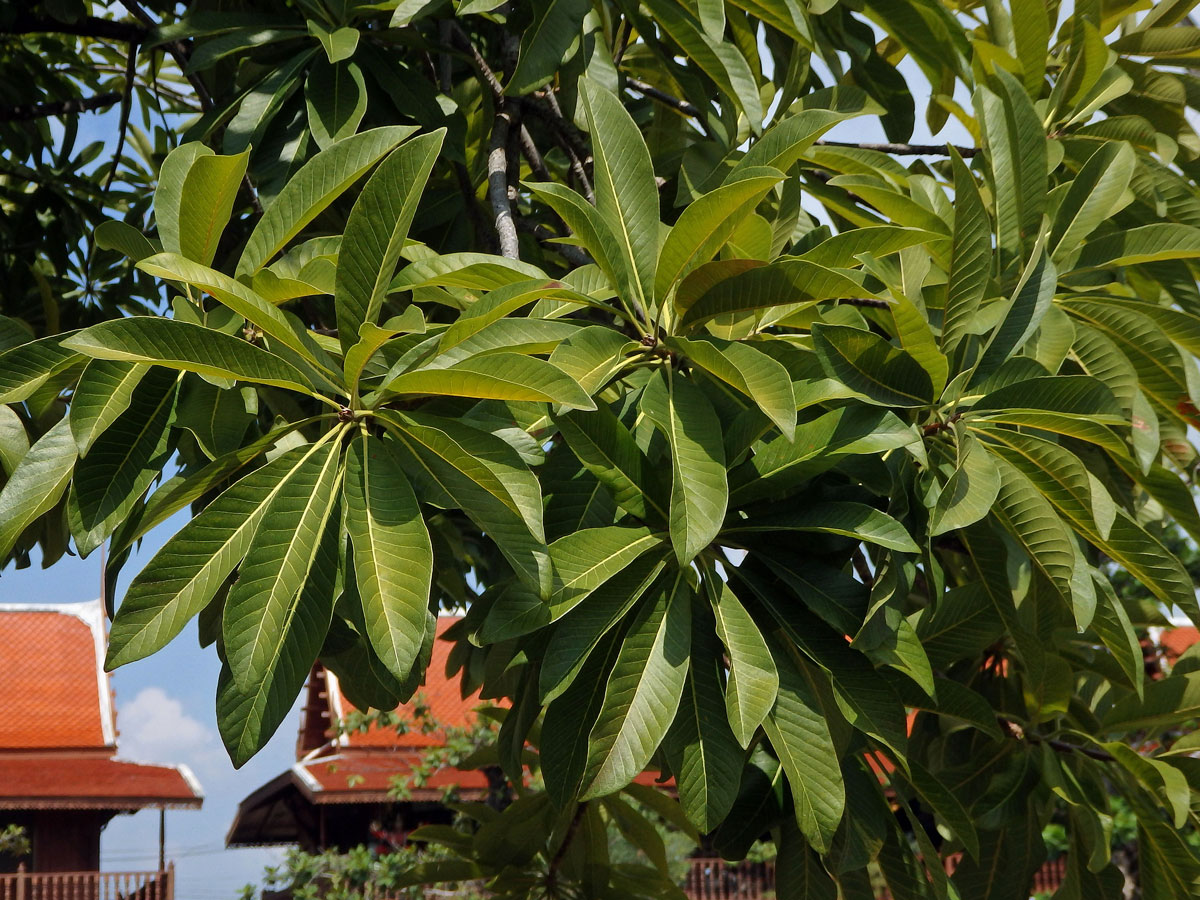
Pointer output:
x,y
88,885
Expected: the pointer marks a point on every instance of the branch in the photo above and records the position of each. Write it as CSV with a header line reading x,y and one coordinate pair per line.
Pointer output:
x,y
904,149
88,26
688,109
26,112
1016,732
497,165
664,98
863,301
567,139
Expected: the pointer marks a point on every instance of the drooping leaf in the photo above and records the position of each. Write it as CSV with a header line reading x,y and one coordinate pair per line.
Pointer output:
x,y
37,482
393,555
699,489
642,693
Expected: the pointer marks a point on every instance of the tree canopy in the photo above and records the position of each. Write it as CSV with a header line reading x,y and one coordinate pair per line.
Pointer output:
x,y
796,468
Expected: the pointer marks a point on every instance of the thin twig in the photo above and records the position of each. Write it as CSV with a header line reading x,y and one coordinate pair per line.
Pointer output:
x,y
689,109
126,106
904,149
564,845
27,111
622,43
663,97
574,256
567,140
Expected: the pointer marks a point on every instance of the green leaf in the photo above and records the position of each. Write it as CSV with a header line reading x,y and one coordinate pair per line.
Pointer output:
x,y
580,631
168,195
278,325
37,483
216,417
970,258
249,712
336,96
749,371
495,376
1133,246
1092,197
866,363
642,693
393,555
969,493
699,490
264,600
1167,702
570,718
103,393
854,520
592,356
192,348
701,749
785,283
376,232
124,238
123,462
626,194
1078,396
185,574
587,560
1028,516
339,44
780,467
209,192
26,367
844,249
800,737
606,448
721,61
454,465
554,28
14,442
753,679
706,224
318,183
799,874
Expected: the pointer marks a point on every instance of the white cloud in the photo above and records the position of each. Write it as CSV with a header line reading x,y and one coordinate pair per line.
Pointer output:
x,y
154,728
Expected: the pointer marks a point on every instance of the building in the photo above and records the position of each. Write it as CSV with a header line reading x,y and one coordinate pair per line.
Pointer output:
x,y
338,793
60,776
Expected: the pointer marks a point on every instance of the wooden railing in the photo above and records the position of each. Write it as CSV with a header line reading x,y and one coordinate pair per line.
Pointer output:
x,y
715,879
88,885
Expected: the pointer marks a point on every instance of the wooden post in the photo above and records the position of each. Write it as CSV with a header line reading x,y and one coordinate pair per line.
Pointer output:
x,y
21,881
170,892
162,838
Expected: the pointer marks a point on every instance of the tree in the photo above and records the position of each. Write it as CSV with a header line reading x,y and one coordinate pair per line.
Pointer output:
x,y
794,468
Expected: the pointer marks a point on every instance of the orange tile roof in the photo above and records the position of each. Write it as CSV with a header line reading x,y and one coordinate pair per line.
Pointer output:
x,y
350,775
60,781
56,696
1175,641
58,734
440,693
